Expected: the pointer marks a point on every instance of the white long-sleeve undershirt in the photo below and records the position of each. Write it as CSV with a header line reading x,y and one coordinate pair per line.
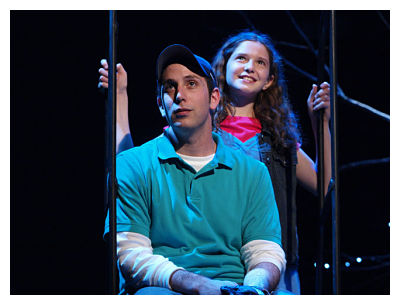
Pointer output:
x,y
137,261
262,251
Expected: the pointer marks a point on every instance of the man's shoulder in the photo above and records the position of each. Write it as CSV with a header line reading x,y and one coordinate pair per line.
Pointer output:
x,y
246,161
140,154
146,147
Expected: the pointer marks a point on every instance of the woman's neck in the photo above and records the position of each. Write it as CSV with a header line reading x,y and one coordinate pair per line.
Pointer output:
x,y
242,106
246,110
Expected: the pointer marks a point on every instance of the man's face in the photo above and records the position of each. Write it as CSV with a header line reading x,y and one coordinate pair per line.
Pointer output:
x,y
186,98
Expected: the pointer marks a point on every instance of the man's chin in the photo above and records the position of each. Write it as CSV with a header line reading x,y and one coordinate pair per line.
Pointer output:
x,y
182,125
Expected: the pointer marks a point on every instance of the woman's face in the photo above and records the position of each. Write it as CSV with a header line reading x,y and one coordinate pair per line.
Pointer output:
x,y
247,70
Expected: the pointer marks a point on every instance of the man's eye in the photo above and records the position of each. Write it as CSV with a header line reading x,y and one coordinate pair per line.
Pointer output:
x,y
192,83
169,87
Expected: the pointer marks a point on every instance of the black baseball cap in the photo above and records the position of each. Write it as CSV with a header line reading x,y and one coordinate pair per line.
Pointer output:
x,y
179,54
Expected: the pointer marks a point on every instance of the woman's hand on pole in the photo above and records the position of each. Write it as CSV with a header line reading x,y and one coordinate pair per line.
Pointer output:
x,y
319,99
122,77
123,138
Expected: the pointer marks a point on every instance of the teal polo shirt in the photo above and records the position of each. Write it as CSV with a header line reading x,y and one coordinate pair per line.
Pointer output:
x,y
199,221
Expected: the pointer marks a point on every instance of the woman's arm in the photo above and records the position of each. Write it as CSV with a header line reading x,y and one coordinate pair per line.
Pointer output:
x,y
306,169
123,136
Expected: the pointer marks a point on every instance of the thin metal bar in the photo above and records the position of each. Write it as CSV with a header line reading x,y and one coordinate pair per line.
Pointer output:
x,y
334,151
340,92
111,153
357,164
362,106
321,169
313,78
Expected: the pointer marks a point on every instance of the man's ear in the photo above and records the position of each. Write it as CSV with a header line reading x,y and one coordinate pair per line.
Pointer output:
x,y
215,97
268,83
161,107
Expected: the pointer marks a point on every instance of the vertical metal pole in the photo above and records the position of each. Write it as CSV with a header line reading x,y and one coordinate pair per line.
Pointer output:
x,y
321,170
111,152
334,194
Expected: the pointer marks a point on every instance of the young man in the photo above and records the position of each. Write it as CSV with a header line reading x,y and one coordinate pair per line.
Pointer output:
x,y
194,215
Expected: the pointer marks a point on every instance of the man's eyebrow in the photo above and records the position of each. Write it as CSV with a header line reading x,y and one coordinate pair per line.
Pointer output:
x,y
169,80
191,76
186,77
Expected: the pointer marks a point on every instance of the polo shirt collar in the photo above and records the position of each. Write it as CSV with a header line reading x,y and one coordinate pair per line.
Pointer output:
x,y
165,148
222,155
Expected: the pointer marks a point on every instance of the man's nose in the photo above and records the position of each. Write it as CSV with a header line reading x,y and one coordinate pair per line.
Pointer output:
x,y
179,96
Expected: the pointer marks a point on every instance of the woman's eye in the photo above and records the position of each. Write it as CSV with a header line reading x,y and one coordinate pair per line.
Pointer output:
x,y
240,58
192,83
261,62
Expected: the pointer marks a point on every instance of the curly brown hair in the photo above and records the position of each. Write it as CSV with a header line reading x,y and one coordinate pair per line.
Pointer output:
x,y
272,107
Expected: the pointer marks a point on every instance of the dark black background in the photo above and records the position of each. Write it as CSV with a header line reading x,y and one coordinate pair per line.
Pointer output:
x,y
57,133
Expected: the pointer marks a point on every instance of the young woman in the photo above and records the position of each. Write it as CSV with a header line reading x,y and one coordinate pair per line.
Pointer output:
x,y
255,117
